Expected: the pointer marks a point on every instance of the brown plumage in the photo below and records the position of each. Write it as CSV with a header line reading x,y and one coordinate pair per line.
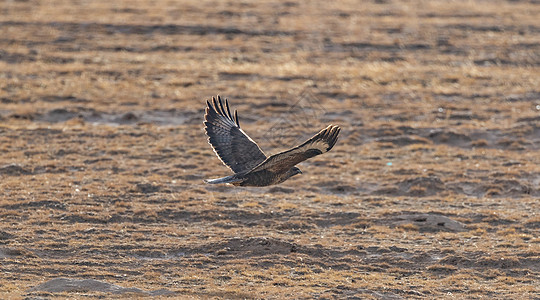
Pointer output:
x,y
244,157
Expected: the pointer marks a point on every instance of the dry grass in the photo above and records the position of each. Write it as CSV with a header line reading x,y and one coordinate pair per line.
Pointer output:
x,y
431,191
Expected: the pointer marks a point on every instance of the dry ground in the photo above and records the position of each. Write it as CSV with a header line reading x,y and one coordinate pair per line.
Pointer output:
x,y
431,192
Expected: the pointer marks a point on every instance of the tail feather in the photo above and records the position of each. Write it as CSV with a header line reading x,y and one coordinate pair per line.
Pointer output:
x,y
227,179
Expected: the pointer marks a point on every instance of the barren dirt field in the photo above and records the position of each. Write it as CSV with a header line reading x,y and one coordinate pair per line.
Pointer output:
x,y
430,192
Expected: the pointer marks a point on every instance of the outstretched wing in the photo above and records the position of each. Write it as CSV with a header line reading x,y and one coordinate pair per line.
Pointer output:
x,y
320,143
231,144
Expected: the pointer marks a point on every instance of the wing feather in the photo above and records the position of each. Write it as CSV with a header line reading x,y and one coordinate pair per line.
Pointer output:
x,y
231,144
320,143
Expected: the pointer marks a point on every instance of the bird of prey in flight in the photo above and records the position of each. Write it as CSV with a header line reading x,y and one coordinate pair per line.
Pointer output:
x,y
243,156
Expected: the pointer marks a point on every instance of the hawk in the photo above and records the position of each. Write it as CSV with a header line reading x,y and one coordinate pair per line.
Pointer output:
x,y
243,156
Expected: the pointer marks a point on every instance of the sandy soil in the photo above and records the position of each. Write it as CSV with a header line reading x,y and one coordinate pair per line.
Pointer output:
x,y
431,192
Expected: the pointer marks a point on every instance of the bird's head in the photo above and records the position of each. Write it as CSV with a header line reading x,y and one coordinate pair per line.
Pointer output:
x,y
294,171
